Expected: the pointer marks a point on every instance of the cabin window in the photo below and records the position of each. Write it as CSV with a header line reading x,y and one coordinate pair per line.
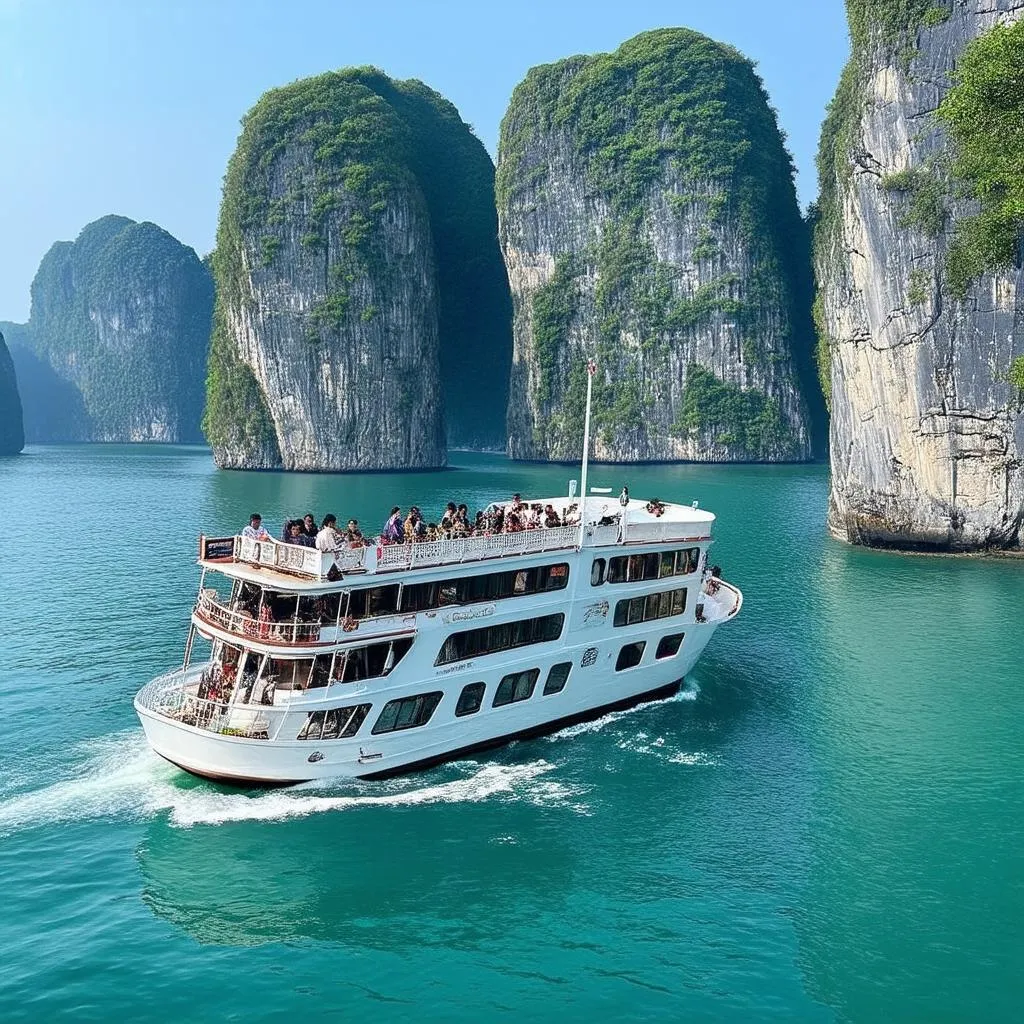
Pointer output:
x,y
654,606
652,566
371,602
555,682
407,712
630,656
668,646
471,643
492,586
367,662
597,572
470,699
336,723
514,687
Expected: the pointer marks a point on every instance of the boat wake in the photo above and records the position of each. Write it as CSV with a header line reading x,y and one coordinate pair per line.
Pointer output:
x,y
119,776
688,692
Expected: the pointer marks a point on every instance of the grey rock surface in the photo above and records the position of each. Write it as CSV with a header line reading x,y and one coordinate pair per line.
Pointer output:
x,y
926,432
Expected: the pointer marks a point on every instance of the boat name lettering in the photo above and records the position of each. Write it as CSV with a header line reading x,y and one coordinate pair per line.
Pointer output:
x,y
458,667
466,616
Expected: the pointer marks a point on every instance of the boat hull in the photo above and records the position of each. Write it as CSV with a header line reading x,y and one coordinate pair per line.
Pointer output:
x,y
589,693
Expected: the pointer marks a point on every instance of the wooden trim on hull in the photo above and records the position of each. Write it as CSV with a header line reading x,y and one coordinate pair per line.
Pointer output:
x,y
545,728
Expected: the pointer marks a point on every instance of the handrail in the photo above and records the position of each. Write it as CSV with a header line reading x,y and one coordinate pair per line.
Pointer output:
x,y
169,696
465,549
242,624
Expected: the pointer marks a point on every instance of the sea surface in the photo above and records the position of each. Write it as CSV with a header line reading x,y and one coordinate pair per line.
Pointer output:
x,y
826,825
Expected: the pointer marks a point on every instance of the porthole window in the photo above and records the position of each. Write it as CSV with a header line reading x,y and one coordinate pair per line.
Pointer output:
x,y
557,677
470,699
668,646
630,656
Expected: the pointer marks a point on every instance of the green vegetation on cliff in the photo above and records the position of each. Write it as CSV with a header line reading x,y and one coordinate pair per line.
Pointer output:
x,y
122,314
348,144
984,116
671,111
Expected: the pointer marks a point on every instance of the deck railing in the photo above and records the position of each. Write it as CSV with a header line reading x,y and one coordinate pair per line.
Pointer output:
x,y
313,564
174,695
243,624
471,549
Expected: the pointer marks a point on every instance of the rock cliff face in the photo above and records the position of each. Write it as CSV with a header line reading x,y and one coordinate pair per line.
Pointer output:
x,y
359,282
648,219
117,337
12,432
921,301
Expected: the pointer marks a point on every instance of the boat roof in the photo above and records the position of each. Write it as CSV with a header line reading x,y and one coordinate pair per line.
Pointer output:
x,y
608,522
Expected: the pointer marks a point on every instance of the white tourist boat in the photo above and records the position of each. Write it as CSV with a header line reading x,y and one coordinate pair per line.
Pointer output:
x,y
427,651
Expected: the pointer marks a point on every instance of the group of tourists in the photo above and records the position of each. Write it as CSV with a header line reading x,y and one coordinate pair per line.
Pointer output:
x,y
411,527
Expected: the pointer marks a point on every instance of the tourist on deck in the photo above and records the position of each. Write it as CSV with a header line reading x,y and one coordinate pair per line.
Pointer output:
x,y
256,530
309,527
448,517
393,532
328,538
551,519
297,535
353,534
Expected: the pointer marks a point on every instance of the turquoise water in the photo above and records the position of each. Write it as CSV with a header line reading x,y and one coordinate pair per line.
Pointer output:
x,y
825,825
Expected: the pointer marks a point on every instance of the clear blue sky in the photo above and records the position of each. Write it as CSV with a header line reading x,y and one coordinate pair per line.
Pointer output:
x,y
132,106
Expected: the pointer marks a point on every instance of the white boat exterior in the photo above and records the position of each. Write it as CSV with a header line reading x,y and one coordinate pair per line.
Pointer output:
x,y
434,649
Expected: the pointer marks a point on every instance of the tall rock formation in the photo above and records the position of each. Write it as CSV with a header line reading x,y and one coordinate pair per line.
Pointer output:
x,y
362,299
648,219
115,347
918,254
12,432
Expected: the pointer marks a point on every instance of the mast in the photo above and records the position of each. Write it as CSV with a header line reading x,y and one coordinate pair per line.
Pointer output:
x,y
591,370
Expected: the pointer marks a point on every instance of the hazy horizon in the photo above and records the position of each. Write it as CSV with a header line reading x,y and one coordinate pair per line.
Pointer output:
x,y
115,108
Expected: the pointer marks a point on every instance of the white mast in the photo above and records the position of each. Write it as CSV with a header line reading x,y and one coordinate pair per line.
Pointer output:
x,y
591,370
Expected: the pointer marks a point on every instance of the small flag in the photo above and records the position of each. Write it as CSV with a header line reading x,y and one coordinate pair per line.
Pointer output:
x,y
591,367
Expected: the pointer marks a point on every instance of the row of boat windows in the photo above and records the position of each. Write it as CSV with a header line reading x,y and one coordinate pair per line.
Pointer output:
x,y
371,602
652,606
412,712
655,565
470,643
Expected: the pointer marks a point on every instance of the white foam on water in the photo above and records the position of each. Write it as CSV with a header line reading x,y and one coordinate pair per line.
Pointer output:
x,y
119,776
688,691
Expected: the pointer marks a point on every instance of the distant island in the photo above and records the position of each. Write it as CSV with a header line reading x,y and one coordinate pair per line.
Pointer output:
x,y
115,346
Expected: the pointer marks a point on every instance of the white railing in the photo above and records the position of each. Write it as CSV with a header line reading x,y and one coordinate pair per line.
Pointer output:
x,y
296,559
471,549
174,695
243,624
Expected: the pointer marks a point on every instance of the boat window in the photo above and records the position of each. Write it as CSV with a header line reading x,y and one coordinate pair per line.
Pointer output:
x,y
668,646
555,681
336,723
470,643
407,712
653,606
630,656
597,572
514,687
367,662
370,602
490,586
652,566
470,699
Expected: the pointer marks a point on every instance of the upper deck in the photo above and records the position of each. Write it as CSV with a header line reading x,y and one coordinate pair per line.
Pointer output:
x,y
607,523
